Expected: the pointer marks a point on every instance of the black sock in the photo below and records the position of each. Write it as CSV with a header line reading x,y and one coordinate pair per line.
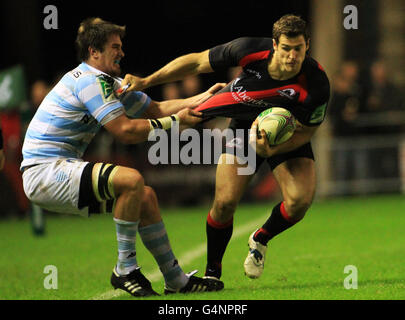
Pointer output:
x,y
218,236
275,224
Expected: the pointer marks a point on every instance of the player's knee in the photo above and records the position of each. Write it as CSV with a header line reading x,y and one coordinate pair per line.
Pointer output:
x,y
296,207
149,199
134,182
225,208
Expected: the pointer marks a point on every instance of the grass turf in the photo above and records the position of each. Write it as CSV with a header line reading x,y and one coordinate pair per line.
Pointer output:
x,y
305,262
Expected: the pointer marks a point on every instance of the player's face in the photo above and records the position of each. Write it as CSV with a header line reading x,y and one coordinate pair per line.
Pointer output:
x,y
290,53
110,58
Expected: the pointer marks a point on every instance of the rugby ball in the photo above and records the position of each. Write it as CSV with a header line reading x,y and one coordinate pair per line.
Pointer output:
x,y
278,123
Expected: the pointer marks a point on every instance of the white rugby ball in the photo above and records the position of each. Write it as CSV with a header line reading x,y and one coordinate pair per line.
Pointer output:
x,y
278,123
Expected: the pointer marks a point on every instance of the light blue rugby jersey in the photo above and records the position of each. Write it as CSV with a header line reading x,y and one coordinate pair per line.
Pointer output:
x,y
74,111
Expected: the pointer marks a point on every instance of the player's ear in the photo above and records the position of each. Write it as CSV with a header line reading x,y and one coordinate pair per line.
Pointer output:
x,y
307,44
93,52
274,44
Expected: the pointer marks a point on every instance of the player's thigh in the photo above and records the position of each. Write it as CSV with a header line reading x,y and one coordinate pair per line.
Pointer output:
x,y
103,183
235,170
230,184
297,180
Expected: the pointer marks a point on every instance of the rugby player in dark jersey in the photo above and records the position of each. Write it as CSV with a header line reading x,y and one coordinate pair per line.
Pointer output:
x,y
276,72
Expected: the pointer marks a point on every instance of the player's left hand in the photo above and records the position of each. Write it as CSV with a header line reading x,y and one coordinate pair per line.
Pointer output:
x,y
189,117
135,83
216,87
259,142
200,98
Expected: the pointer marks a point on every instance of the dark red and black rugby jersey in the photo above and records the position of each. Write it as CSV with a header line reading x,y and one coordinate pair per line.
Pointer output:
x,y
306,95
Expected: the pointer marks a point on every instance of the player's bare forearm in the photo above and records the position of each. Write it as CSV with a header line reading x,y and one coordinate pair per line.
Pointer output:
x,y
179,68
129,131
168,107
298,139
132,131
301,136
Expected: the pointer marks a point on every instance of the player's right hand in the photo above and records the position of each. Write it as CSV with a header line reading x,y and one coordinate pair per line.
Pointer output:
x,y
136,83
189,117
258,140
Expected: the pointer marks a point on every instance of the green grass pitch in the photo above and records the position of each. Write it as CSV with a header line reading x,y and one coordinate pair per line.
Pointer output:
x,y
306,262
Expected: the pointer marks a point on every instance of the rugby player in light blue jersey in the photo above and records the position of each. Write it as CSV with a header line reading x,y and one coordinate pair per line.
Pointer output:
x,y
57,179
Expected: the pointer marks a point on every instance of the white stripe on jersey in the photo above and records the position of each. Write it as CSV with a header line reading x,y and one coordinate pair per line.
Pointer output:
x,y
41,128
89,92
65,94
73,112
33,144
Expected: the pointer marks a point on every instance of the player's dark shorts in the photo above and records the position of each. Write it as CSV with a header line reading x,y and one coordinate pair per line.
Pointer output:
x,y
304,151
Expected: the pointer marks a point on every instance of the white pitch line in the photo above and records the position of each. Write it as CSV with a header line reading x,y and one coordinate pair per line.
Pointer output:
x,y
185,259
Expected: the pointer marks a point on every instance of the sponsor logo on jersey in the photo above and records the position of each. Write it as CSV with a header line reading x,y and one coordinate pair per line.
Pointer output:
x,y
256,73
239,93
235,143
107,87
288,93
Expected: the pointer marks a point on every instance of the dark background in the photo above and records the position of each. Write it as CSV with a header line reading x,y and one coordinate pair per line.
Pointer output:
x,y
157,31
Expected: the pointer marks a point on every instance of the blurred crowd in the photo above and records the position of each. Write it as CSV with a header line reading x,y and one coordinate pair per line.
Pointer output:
x,y
366,113
14,123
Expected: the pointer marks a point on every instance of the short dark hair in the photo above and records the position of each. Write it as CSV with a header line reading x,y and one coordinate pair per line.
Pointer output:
x,y
291,26
94,33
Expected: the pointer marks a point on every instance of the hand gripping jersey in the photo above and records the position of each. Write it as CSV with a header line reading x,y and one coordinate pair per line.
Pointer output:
x,y
305,95
74,111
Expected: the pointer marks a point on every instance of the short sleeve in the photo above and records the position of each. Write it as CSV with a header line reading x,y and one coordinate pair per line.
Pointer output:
x,y
135,103
97,94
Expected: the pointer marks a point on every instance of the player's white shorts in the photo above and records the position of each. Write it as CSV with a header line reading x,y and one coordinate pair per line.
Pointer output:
x,y
55,186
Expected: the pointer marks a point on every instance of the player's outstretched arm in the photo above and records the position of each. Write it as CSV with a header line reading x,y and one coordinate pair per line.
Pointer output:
x,y
158,109
179,68
132,131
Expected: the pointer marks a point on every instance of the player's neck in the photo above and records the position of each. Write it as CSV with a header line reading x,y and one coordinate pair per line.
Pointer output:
x,y
98,66
277,72
93,64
